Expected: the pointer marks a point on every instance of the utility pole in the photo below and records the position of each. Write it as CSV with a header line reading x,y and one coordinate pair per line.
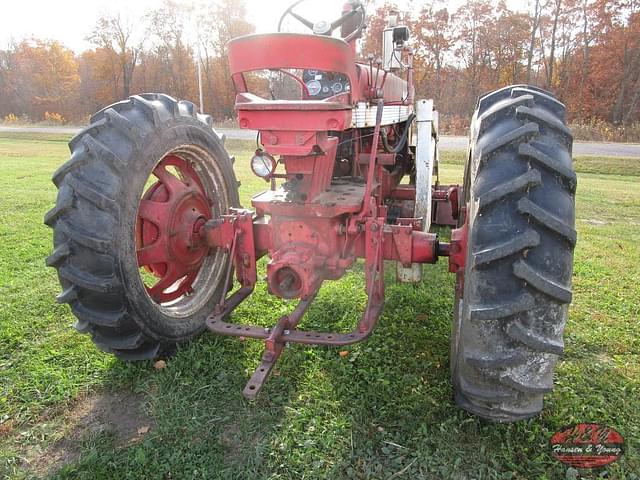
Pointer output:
x,y
200,75
199,59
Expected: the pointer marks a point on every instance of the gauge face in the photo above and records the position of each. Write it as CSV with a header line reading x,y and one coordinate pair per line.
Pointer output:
x,y
314,87
262,165
336,87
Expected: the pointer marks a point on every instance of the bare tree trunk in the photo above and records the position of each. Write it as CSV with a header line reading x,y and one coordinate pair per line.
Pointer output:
x,y
438,76
616,114
126,79
474,61
628,117
208,92
532,42
630,68
552,52
585,56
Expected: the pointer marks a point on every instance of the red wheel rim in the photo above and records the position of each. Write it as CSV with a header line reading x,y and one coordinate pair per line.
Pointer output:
x,y
170,214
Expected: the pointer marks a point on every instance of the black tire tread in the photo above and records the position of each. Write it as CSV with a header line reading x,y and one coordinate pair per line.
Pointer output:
x,y
527,239
519,332
92,242
525,181
63,205
85,186
88,281
521,304
102,318
540,282
505,359
546,219
545,160
68,295
86,190
519,134
59,255
514,304
129,341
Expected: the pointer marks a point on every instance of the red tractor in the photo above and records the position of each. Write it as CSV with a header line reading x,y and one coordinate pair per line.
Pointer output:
x,y
152,247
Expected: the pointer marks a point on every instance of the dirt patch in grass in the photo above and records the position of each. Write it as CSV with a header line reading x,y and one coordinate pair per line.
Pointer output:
x,y
593,221
120,414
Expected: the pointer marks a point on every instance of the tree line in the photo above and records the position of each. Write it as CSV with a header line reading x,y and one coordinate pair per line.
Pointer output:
x,y
585,51
156,54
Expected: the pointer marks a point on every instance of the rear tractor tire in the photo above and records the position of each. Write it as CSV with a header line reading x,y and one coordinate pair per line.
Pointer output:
x,y
141,179
520,189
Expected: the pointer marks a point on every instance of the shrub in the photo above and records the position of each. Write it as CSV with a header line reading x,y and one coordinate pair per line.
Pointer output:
x,y
54,118
11,118
453,125
596,130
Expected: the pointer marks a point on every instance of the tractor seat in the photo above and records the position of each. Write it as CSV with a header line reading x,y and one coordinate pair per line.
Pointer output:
x,y
249,101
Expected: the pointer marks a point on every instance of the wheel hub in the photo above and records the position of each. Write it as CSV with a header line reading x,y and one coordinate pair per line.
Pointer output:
x,y
170,215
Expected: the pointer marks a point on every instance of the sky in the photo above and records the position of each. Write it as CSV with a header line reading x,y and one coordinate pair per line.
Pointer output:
x,y
70,21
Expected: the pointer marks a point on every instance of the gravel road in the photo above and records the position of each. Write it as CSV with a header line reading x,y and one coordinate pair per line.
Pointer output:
x,y
446,142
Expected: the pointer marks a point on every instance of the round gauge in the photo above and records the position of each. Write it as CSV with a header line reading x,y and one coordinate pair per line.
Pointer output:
x,y
314,87
336,87
263,164
325,89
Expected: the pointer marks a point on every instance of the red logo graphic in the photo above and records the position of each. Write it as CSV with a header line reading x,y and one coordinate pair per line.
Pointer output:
x,y
587,445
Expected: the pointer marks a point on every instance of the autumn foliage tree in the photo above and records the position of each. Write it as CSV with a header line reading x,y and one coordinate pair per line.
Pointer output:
x,y
585,51
38,77
113,34
219,23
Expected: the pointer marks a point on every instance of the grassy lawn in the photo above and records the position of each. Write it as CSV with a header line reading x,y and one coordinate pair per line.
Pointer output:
x,y
385,410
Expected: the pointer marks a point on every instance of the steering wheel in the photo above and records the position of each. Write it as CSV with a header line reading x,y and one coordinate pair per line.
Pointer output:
x,y
327,28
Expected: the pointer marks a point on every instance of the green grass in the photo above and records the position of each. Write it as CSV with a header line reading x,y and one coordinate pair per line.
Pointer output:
x,y
628,166
384,409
